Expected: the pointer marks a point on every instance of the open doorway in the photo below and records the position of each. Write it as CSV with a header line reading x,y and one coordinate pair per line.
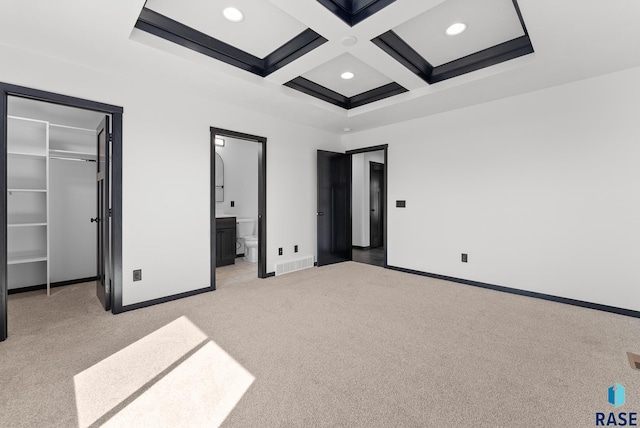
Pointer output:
x,y
238,205
368,213
61,179
351,211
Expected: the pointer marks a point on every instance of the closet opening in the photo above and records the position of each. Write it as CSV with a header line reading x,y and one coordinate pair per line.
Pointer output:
x,y
61,182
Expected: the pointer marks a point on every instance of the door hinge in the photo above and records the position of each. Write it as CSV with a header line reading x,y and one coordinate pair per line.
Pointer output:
x,y
109,212
111,138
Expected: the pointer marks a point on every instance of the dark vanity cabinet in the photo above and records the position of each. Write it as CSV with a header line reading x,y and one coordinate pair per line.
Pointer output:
x,y
225,241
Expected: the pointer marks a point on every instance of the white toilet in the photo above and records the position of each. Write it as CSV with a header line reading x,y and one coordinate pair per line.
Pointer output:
x,y
246,233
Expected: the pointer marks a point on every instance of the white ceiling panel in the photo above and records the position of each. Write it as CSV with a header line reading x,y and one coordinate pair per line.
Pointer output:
x,y
489,23
328,75
264,29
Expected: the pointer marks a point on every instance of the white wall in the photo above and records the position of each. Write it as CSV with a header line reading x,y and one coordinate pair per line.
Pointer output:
x,y
541,190
360,196
166,156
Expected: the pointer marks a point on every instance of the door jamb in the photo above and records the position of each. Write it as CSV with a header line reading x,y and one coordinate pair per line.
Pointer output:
x,y
262,199
116,112
371,163
385,148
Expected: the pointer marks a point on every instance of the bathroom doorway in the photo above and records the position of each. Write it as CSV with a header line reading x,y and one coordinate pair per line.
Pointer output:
x,y
368,183
238,205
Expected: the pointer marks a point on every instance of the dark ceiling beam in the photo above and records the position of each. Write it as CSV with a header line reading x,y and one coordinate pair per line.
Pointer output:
x,y
311,88
376,94
482,59
173,31
318,91
303,43
402,52
159,25
354,11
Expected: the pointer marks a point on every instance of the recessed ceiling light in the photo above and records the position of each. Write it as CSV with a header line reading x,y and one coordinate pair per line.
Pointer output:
x,y
455,29
347,75
232,14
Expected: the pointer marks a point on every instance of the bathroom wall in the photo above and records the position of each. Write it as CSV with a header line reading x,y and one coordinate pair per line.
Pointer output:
x,y
240,160
360,196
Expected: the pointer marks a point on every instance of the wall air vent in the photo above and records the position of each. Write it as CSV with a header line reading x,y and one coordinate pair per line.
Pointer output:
x,y
294,265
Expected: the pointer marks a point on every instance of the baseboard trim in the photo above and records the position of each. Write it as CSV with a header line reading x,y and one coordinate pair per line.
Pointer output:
x,y
549,297
270,274
52,285
357,247
154,302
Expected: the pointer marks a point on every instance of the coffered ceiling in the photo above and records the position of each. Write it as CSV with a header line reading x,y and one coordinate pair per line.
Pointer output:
x,y
286,57
271,36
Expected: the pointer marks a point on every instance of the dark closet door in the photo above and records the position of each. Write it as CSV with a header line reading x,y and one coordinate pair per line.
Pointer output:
x,y
376,198
103,289
334,207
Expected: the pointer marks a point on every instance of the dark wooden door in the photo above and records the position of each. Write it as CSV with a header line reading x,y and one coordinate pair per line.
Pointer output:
x,y
103,288
376,199
334,207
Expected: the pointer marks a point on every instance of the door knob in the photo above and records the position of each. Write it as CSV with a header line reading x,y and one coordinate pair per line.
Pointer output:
x,y
320,213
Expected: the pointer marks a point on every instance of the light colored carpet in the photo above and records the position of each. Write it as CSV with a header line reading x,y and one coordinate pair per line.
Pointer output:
x,y
347,345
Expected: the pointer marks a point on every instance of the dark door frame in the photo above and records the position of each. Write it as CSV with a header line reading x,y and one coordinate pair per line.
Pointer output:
x,y
385,148
262,199
116,112
372,166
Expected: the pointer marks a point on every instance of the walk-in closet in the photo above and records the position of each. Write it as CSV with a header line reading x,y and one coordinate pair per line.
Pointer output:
x,y
51,188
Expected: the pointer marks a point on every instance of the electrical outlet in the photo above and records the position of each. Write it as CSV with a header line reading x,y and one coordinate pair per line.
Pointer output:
x,y
295,248
233,204
465,258
280,251
137,275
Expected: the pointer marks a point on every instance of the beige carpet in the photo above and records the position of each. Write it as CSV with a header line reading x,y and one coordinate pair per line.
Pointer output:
x,y
347,345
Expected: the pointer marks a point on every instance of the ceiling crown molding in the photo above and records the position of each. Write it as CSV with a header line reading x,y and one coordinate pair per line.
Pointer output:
x,y
318,91
159,25
354,11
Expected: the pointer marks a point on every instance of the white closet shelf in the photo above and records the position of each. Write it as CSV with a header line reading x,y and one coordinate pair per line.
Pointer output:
x,y
28,190
28,155
27,119
72,154
26,224
73,128
15,259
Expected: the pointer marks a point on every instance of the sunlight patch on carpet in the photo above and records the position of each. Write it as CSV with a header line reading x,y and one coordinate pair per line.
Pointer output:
x,y
148,383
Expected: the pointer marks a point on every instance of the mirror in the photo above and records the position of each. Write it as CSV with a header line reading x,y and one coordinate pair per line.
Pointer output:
x,y
219,179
